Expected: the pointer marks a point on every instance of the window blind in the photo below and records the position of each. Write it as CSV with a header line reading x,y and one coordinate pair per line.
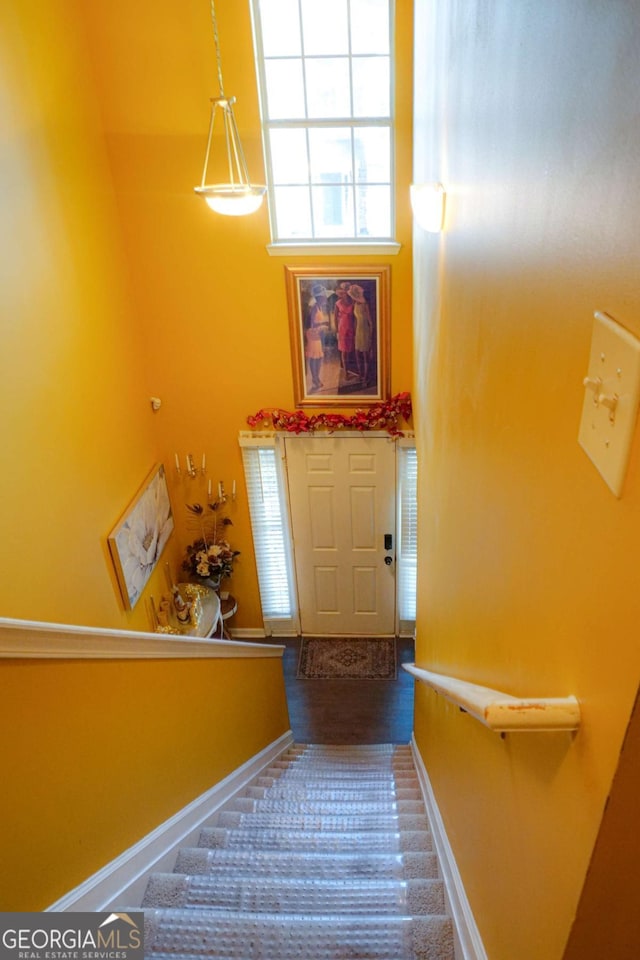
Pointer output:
x,y
270,537
407,556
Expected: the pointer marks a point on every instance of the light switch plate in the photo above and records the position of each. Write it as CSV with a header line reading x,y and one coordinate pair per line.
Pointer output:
x,y
612,392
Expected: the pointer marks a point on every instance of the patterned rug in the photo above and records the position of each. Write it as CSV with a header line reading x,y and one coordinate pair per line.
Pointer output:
x,y
347,658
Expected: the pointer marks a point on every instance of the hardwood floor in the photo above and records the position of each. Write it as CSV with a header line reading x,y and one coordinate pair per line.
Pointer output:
x,y
349,711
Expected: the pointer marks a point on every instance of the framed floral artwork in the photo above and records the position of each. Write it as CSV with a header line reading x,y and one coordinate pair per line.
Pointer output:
x,y
138,539
340,329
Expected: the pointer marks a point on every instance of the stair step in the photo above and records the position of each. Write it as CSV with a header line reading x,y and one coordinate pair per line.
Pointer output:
x,y
346,823
352,748
188,933
341,778
229,863
295,896
345,762
376,794
327,855
287,804
381,841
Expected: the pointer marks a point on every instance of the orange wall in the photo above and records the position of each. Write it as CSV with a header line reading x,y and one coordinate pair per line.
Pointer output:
x,y
527,570
96,754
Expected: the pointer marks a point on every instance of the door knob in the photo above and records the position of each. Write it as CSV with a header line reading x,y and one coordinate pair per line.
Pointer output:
x,y
388,561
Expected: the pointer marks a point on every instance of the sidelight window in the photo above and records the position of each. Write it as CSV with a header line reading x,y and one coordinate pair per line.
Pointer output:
x,y
271,538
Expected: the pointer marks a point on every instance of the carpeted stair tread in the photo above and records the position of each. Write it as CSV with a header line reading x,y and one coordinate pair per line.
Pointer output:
x,y
274,864
320,807
377,841
353,748
340,779
376,794
291,896
338,823
346,765
326,855
187,933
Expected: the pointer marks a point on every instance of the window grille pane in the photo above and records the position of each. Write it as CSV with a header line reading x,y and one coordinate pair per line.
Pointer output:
x,y
408,533
372,149
293,212
371,87
369,26
331,157
280,28
269,532
373,205
333,211
328,87
325,27
285,92
289,157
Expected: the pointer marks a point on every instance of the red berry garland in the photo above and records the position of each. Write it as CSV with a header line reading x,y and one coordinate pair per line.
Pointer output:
x,y
380,416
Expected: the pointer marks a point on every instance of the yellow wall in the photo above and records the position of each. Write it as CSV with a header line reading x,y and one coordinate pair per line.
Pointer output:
x,y
118,283
96,754
527,571
210,299
75,420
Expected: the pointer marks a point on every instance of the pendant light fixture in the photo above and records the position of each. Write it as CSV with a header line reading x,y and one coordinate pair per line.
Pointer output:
x,y
238,196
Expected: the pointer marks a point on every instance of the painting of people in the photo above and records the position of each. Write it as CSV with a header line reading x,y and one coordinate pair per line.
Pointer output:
x,y
339,335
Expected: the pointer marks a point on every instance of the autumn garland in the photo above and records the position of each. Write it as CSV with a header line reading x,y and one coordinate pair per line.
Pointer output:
x,y
380,416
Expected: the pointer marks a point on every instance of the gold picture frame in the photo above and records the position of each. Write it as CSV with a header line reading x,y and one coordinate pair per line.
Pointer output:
x,y
137,541
339,320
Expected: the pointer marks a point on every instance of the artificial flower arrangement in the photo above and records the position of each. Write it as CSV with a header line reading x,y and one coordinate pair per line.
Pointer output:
x,y
210,557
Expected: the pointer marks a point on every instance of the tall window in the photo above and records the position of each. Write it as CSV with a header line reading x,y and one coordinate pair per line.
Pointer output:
x,y
325,70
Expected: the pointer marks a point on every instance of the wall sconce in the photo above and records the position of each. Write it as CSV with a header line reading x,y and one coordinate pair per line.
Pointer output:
x,y
428,203
238,196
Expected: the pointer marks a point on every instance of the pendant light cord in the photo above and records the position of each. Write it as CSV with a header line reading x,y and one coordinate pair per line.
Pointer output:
x,y
217,45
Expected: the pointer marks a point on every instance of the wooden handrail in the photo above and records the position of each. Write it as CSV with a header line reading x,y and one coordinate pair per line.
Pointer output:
x,y
500,711
32,639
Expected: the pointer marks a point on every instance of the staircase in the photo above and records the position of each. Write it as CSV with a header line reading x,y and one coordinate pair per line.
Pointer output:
x,y
327,856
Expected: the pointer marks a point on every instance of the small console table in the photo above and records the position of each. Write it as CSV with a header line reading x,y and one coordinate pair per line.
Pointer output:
x,y
210,619
228,607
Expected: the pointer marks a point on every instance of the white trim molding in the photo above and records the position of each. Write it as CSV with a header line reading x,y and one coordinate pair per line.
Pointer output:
x,y
123,881
468,942
31,639
317,249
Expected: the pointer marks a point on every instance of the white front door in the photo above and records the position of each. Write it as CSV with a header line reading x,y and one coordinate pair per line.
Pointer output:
x,y
342,496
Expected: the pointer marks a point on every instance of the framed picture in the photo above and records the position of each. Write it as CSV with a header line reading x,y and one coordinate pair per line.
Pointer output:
x,y
138,540
339,323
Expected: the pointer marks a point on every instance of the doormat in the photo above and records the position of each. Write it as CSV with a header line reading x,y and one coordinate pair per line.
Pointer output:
x,y
347,658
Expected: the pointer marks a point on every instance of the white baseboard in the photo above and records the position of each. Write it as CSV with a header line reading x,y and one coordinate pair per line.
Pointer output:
x,y
253,633
123,881
469,944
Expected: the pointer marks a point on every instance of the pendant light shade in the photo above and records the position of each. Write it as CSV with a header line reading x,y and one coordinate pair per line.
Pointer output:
x,y
238,196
